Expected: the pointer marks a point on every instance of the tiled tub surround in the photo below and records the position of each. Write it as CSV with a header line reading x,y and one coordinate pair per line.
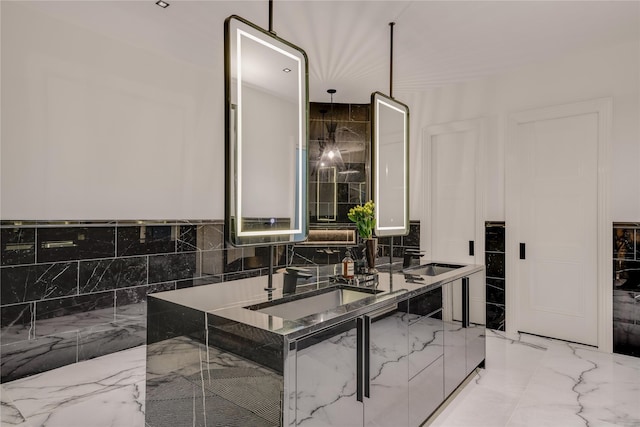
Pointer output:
x,y
495,264
74,291
626,288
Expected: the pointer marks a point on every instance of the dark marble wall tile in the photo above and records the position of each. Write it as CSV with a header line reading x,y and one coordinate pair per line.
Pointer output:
x,y
626,339
75,305
131,302
144,240
413,238
212,262
34,356
496,316
38,282
360,112
71,243
626,308
495,271
339,111
342,191
495,291
200,281
495,238
16,323
17,246
495,265
210,236
105,274
352,132
187,238
384,241
166,268
623,243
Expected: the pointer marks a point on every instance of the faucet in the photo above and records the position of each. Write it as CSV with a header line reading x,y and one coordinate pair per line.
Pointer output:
x,y
409,255
291,279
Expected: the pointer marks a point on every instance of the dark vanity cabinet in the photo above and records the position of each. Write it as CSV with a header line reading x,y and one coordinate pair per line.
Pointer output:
x,y
464,319
354,373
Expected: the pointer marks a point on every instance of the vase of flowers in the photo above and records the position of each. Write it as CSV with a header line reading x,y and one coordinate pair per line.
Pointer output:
x,y
364,217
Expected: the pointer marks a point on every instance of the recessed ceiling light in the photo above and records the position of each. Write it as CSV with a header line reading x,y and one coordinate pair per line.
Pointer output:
x,y
286,70
162,4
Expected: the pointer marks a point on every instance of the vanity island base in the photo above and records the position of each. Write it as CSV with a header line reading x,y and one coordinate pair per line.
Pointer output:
x,y
390,359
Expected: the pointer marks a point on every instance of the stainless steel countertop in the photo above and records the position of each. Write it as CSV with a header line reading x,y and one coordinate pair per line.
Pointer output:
x,y
226,301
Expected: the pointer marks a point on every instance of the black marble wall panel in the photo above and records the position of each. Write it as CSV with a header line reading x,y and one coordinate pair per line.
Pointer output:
x,y
93,304
495,237
79,289
112,273
131,302
495,264
16,322
75,305
626,288
164,268
146,239
495,271
18,246
400,244
71,243
38,281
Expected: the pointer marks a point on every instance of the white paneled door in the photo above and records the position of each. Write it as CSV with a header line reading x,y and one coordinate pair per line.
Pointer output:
x,y
552,218
452,213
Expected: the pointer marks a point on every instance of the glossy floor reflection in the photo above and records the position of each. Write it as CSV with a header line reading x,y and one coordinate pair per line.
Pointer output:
x,y
531,381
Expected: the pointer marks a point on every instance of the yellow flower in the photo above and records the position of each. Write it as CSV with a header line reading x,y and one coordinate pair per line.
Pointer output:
x,y
364,217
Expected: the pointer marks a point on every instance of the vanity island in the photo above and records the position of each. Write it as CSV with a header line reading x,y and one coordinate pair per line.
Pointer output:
x,y
386,352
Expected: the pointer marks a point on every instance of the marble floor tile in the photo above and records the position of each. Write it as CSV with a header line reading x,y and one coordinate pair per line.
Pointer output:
x,y
535,381
106,391
529,381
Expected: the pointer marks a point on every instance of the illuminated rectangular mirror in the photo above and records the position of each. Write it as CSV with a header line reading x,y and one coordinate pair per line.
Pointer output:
x,y
390,165
266,90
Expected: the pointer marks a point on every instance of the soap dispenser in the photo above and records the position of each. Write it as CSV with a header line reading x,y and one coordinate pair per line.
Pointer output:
x,y
348,266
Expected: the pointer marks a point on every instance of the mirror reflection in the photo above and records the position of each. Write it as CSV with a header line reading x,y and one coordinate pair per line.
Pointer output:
x,y
266,137
339,152
390,145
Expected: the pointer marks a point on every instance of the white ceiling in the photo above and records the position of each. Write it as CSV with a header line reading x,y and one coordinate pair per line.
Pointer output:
x,y
347,42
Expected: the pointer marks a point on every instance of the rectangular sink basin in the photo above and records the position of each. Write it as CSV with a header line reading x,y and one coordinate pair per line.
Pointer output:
x,y
317,302
432,269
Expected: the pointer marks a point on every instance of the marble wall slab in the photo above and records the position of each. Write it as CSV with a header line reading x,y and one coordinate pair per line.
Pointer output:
x,y
76,290
495,270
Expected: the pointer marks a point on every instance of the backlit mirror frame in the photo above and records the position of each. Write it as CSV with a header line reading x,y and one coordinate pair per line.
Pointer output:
x,y
390,165
263,225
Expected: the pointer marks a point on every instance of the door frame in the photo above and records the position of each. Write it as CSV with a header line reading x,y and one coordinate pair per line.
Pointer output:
x,y
603,108
477,127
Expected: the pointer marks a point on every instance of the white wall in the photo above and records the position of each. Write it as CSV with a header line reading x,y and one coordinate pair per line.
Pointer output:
x,y
606,72
94,128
